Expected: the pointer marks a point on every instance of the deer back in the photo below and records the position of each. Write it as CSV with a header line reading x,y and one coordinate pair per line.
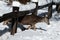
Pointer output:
x,y
28,19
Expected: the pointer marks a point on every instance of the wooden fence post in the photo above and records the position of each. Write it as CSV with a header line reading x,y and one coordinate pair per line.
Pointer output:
x,y
36,9
49,11
14,26
14,20
58,8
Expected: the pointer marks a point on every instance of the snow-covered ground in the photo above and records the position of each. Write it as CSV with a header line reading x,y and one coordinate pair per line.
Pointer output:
x,y
52,33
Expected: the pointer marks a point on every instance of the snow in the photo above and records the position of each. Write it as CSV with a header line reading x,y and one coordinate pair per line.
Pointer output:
x,y
34,0
43,2
52,31
16,4
56,1
6,9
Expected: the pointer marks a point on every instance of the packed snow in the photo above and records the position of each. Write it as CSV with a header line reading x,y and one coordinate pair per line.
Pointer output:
x,y
52,31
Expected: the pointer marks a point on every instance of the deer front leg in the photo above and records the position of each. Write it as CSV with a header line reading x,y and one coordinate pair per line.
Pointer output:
x,y
46,20
34,28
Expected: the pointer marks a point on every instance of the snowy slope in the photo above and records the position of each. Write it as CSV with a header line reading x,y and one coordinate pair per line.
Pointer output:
x,y
56,1
52,33
43,2
6,9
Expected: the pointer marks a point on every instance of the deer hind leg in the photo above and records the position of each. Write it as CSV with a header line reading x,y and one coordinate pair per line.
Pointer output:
x,y
6,22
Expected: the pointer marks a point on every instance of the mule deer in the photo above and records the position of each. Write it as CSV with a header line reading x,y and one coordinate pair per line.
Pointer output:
x,y
32,20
